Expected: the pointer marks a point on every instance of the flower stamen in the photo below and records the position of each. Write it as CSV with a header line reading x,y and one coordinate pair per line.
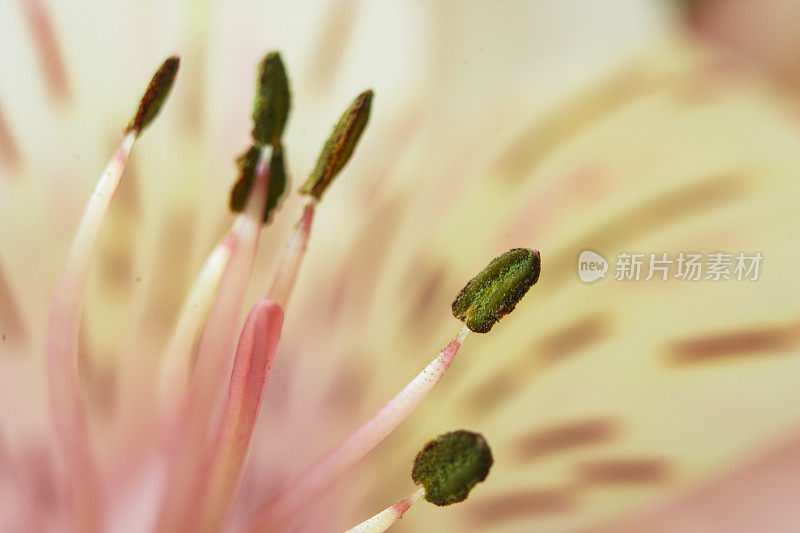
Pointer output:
x,y
448,467
198,423
66,400
285,509
335,154
491,294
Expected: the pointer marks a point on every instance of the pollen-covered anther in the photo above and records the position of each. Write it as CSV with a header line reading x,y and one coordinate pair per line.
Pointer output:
x,y
277,183
240,192
248,166
449,466
497,289
155,95
446,469
340,145
270,112
273,101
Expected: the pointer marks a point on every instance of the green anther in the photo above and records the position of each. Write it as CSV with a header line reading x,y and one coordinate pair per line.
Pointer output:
x,y
449,466
154,96
339,146
277,183
240,192
248,163
273,101
497,289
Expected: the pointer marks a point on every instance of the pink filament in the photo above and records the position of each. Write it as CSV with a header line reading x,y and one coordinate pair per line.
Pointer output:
x,y
252,364
387,518
290,266
66,400
177,366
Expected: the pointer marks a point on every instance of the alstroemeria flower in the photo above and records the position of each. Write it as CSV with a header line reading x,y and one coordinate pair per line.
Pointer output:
x,y
560,126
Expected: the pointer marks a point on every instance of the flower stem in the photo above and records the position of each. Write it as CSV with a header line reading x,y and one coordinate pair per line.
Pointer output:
x,y
387,518
66,401
285,509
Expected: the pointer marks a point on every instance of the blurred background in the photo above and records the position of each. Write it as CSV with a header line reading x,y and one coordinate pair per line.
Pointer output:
x,y
647,126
